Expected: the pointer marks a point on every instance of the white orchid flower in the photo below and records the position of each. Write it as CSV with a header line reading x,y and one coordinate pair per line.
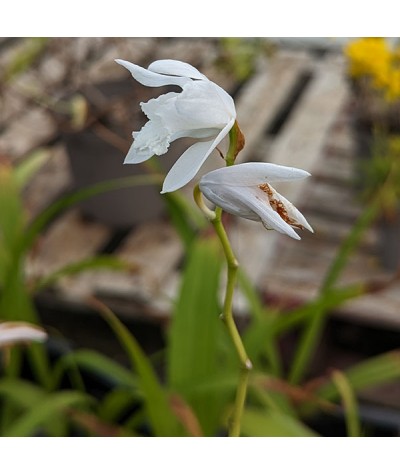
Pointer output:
x,y
12,333
203,110
244,190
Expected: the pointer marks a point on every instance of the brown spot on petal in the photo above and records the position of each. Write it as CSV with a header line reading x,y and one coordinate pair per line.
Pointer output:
x,y
279,207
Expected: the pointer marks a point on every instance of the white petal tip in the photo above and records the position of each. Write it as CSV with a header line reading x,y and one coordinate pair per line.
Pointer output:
x,y
307,226
123,63
169,189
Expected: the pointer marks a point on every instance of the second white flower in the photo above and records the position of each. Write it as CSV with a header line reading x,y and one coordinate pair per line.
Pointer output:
x,y
244,190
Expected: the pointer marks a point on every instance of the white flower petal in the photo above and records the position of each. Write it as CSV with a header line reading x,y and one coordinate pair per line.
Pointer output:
x,y
186,167
190,161
14,332
293,213
134,156
149,78
195,133
161,106
272,220
269,217
229,199
253,174
176,68
203,104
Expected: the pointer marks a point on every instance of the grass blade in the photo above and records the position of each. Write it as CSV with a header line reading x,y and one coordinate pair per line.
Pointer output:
x,y
369,373
257,423
349,402
258,338
195,332
24,58
24,171
42,413
162,419
99,364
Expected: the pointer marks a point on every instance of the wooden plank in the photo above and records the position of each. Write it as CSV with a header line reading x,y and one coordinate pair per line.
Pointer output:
x,y
69,239
335,167
260,100
300,144
25,133
11,105
263,95
380,309
154,250
302,139
330,199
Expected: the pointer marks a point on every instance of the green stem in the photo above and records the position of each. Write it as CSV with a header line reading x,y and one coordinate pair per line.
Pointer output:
x,y
227,318
235,145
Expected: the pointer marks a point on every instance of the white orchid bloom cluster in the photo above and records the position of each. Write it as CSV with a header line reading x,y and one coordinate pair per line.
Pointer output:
x,y
203,110
12,333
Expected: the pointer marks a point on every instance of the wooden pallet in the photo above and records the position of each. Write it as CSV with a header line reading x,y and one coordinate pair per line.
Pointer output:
x,y
293,111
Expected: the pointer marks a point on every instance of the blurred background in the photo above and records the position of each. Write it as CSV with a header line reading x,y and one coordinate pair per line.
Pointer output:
x,y
330,106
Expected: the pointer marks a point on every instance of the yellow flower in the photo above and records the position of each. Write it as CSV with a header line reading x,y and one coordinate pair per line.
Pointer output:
x,y
374,60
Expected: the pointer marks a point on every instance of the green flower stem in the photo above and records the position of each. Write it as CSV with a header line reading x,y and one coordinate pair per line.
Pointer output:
x,y
227,318
235,145
227,315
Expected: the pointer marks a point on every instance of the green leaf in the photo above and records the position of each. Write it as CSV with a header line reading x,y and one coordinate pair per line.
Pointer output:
x,y
258,338
196,331
16,395
162,419
257,423
264,389
11,214
23,393
99,364
117,403
24,58
371,372
349,402
24,171
42,413
185,217
289,320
